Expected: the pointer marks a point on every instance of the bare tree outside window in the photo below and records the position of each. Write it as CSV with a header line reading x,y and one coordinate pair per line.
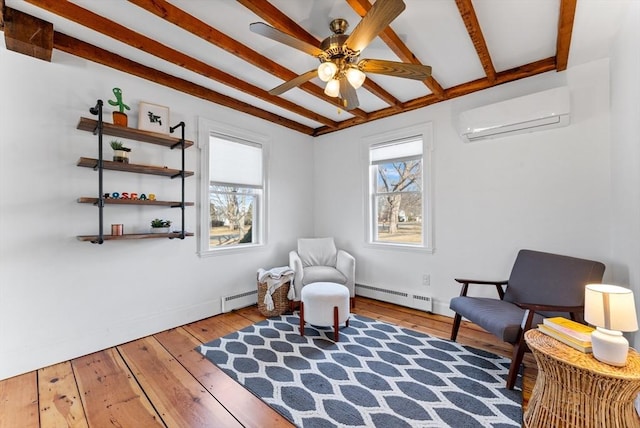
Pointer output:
x,y
231,211
398,200
398,181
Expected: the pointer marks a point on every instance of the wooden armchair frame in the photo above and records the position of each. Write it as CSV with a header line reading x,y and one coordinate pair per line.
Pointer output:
x,y
520,347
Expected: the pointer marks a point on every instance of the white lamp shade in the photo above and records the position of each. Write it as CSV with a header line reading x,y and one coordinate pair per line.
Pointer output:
x,y
333,88
611,307
326,71
355,77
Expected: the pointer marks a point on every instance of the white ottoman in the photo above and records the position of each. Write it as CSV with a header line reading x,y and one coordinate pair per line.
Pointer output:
x,y
324,304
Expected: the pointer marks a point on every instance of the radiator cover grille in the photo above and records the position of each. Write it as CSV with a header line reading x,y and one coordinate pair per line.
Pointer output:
x,y
410,299
239,300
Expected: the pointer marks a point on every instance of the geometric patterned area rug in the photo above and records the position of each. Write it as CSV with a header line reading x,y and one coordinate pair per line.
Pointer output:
x,y
378,375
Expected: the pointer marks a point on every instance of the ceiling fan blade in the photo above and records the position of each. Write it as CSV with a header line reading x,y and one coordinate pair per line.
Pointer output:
x,y
277,35
377,19
348,94
294,82
393,68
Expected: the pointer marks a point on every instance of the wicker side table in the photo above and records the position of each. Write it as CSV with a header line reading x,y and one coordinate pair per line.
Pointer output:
x,y
573,389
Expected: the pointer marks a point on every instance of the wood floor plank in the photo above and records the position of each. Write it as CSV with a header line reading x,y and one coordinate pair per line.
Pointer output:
x,y
209,329
180,399
19,402
110,395
236,321
235,398
252,313
59,398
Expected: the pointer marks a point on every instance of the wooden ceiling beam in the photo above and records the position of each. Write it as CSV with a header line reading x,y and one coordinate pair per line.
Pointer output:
x,y
565,29
182,19
468,14
2,15
279,20
123,34
27,34
98,55
391,38
527,70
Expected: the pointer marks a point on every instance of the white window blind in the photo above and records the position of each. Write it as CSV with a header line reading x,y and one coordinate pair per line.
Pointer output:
x,y
235,162
396,151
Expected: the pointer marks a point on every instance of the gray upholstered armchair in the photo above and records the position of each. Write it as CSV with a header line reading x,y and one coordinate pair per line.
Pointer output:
x,y
540,284
318,260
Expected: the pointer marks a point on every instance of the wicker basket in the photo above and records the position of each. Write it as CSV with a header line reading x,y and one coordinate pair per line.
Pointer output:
x,y
280,300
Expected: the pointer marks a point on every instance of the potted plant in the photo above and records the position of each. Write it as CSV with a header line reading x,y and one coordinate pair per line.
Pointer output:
x,y
119,117
120,152
159,225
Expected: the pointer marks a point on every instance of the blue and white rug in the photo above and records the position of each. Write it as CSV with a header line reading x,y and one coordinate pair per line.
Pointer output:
x,y
378,375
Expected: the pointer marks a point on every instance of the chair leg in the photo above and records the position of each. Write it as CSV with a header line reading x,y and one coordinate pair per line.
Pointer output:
x,y
516,361
455,327
301,318
352,300
336,326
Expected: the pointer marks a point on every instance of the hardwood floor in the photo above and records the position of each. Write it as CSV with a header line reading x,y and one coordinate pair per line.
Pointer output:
x,y
160,381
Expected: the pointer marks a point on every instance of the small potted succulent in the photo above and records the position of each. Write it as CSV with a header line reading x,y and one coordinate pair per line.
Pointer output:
x,y
120,152
159,225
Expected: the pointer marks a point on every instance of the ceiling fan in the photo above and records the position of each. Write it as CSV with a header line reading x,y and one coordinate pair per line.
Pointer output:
x,y
339,54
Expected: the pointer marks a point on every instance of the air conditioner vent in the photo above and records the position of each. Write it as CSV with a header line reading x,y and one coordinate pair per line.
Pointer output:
x,y
535,112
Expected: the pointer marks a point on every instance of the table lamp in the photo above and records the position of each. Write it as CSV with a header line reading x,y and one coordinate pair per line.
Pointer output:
x,y
611,309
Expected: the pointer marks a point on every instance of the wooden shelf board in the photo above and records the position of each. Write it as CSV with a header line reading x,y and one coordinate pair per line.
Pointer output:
x,y
89,200
91,125
132,167
129,236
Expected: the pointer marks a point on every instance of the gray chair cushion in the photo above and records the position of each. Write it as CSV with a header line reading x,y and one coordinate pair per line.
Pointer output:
x,y
500,318
322,274
317,252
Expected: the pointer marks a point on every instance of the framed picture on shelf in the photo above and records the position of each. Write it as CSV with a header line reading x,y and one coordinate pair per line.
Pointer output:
x,y
152,117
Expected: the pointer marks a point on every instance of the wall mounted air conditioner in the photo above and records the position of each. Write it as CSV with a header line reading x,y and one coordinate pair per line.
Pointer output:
x,y
535,112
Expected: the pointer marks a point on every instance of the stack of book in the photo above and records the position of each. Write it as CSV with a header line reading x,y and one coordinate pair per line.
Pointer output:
x,y
569,332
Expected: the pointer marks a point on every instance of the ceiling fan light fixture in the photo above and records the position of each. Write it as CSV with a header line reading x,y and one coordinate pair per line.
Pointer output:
x,y
355,77
333,88
327,70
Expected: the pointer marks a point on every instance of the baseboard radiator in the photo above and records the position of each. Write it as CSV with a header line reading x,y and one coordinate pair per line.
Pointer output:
x,y
239,300
409,299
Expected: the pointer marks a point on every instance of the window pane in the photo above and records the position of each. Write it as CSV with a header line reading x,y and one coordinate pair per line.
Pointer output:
x,y
399,218
399,190
399,176
231,211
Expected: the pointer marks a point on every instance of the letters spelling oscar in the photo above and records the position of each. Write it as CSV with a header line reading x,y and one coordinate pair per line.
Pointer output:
x,y
127,195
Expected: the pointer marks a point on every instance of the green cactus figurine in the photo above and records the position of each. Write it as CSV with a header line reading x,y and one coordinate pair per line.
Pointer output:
x,y
119,117
118,102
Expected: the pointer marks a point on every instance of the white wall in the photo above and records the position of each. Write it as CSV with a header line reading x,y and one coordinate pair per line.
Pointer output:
x,y
625,154
61,298
548,190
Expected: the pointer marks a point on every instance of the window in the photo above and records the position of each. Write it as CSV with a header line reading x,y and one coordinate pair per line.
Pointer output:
x,y
232,189
399,196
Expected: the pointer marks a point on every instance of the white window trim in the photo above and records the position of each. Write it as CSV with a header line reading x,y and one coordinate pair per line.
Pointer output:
x,y
206,127
425,131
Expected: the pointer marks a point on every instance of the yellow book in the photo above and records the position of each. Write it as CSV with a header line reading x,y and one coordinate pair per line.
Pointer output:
x,y
571,328
582,346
